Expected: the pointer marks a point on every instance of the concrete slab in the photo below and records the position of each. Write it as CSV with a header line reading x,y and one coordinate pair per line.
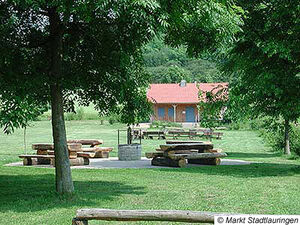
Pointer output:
x,y
114,163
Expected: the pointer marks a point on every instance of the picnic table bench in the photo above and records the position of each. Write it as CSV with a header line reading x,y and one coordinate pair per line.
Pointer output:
x,y
151,134
211,134
194,133
97,152
29,160
179,154
181,133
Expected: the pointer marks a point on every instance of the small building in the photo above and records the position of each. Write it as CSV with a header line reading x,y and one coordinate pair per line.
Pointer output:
x,y
178,102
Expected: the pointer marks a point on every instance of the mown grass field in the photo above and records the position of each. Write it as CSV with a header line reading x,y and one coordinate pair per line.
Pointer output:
x,y
27,196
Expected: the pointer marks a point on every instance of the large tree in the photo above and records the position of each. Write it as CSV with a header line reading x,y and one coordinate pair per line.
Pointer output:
x,y
58,52
266,59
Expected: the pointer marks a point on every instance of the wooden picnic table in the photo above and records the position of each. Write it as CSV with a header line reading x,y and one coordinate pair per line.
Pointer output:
x,y
91,142
77,154
179,154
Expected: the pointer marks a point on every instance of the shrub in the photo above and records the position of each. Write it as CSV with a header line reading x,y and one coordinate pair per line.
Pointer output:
x,y
273,133
295,139
114,118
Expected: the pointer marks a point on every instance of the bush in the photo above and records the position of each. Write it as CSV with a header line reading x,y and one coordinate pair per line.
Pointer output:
x,y
295,139
44,117
114,118
79,115
273,133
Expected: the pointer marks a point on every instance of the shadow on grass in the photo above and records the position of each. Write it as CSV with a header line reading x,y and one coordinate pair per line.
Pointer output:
x,y
28,193
252,155
254,170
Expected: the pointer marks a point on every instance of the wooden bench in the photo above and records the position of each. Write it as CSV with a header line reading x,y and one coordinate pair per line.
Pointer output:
x,y
97,152
209,134
84,215
29,160
184,142
152,134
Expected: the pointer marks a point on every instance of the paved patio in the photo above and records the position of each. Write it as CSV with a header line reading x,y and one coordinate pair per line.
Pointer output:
x,y
114,163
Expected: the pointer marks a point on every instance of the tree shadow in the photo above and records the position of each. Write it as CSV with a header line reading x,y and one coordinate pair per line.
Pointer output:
x,y
253,170
244,155
29,193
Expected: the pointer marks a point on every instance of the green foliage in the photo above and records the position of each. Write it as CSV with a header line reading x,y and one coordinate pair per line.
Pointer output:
x,y
17,113
100,56
114,118
212,106
266,60
170,65
201,26
274,134
78,115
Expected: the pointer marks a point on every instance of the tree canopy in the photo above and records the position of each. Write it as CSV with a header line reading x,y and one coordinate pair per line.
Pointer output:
x,y
266,60
166,64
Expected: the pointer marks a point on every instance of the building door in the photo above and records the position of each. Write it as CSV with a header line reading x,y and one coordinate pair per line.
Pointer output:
x,y
171,113
189,114
161,113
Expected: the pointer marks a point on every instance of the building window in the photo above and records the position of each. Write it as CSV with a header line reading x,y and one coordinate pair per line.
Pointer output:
x,y
161,112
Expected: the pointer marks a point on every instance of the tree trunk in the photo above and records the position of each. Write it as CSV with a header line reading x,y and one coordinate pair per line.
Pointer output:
x,y
287,149
64,183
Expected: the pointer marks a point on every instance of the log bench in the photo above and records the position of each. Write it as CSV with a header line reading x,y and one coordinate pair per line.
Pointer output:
x,y
209,134
29,160
97,152
152,134
84,215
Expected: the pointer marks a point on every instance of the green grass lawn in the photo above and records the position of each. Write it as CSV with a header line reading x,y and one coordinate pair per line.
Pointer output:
x,y
27,196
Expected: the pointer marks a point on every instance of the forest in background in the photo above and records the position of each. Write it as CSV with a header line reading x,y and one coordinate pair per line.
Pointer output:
x,y
171,65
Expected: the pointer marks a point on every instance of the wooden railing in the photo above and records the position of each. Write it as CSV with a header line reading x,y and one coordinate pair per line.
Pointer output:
x,y
84,215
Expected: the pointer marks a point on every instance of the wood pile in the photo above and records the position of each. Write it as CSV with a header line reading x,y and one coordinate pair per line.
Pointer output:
x,y
179,153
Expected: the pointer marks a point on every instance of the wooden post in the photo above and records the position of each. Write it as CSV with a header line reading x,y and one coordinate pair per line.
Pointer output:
x,y
174,106
129,136
287,149
118,137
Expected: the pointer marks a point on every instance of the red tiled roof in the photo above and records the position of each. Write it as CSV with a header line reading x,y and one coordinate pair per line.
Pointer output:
x,y
173,93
